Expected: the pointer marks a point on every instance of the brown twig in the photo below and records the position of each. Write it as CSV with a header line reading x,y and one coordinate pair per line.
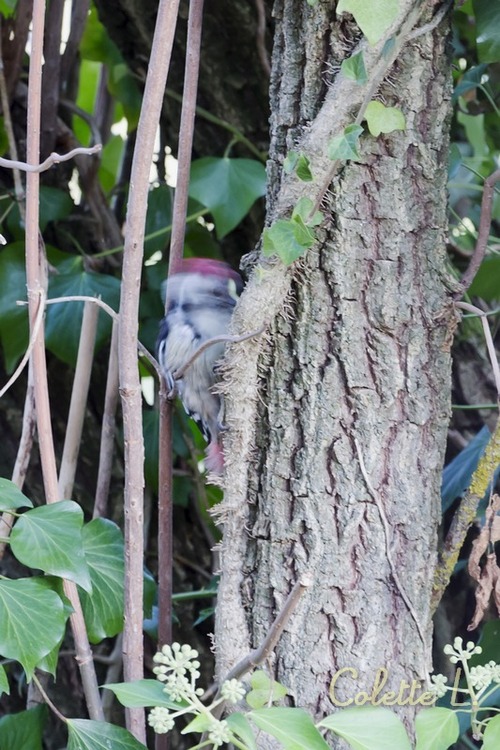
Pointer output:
x,y
36,276
47,700
482,235
130,388
108,429
261,37
489,341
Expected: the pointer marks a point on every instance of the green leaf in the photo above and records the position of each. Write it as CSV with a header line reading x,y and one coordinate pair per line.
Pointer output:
x,y
436,729
374,18
485,284
85,734
13,318
4,681
470,80
264,690
23,731
382,119
298,163
354,68
199,724
143,694
11,496
104,552
158,217
368,728
293,727
488,30
303,208
283,239
32,621
111,159
64,320
241,727
345,146
7,7
491,737
228,188
50,538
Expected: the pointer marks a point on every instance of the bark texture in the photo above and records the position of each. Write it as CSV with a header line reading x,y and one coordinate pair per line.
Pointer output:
x,y
356,353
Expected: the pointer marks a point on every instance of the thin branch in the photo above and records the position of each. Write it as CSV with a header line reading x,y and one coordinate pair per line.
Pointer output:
x,y
262,652
488,338
482,235
47,700
178,374
388,551
49,161
36,276
108,429
261,37
130,388
427,27
78,402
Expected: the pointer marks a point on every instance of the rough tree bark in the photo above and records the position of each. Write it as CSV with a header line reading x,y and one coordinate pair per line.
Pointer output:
x,y
354,368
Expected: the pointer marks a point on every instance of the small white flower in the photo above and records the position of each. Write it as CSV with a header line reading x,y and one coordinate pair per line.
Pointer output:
x,y
159,718
232,691
178,659
457,652
178,687
438,686
219,733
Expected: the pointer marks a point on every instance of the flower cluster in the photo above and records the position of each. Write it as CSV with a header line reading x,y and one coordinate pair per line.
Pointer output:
x,y
178,668
458,653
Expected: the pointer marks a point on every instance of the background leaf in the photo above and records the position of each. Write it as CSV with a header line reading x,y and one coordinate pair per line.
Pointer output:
x,y
228,188
487,30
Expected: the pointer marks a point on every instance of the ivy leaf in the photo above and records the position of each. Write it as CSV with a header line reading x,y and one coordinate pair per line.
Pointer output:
x,y
485,283
32,621
4,681
13,317
491,737
293,727
354,68
241,727
85,734
264,690
437,728
382,119
374,18
64,320
371,727
299,163
200,724
49,538
470,80
143,694
228,188
345,146
11,496
104,552
24,729
487,30
284,238
303,209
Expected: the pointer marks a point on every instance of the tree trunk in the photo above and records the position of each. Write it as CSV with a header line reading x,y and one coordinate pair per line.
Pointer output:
x,y
337,415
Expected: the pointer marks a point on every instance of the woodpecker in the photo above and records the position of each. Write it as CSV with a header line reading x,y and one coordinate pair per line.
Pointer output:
x,y
200,299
